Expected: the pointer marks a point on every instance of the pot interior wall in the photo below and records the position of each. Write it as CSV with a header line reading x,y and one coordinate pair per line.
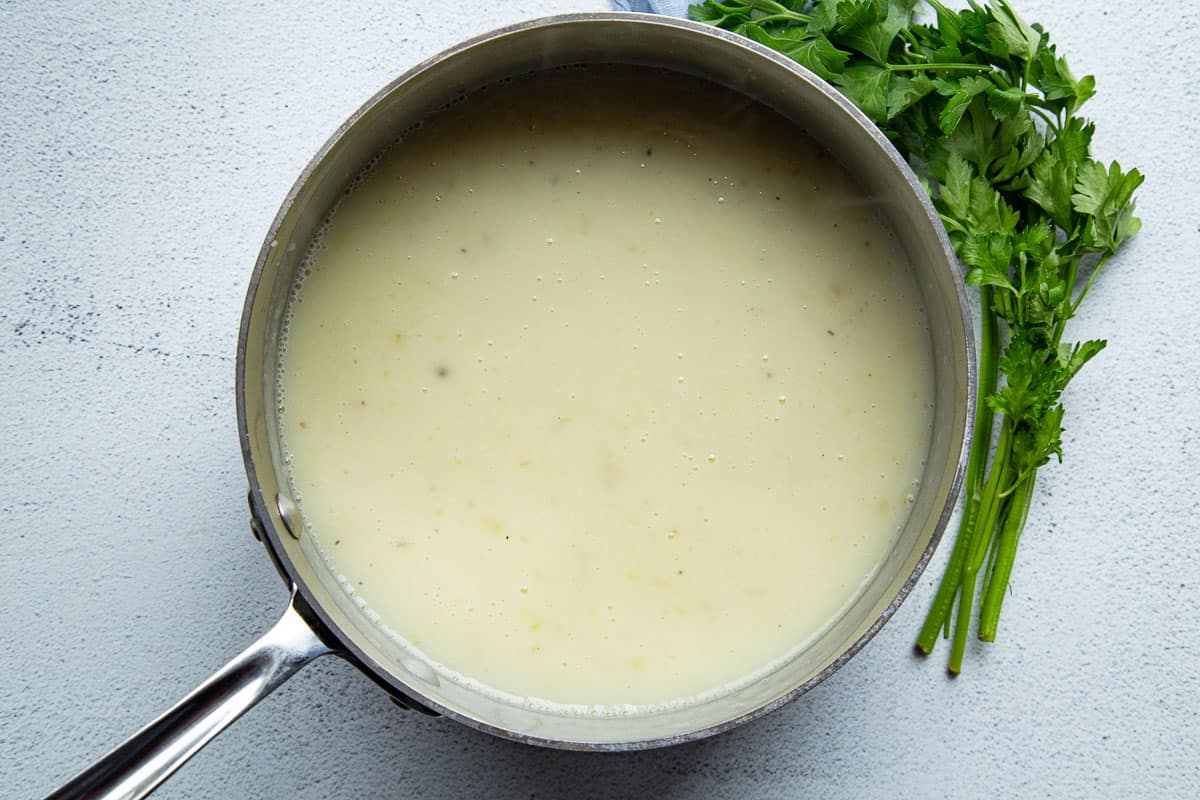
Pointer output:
x,y
659,43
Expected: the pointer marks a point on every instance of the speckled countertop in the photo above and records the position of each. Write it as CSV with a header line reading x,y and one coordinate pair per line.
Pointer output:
x,y
144,149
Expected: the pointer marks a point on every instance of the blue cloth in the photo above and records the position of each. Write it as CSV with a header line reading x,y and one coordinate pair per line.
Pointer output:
x,y
672,8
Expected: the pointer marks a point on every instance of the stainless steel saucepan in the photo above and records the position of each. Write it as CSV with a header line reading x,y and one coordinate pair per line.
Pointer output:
x,y
321,619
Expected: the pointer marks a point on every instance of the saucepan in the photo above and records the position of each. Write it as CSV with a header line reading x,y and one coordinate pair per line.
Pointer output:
x,y
321,619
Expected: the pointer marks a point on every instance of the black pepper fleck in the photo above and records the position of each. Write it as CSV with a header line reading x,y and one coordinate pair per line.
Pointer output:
x,y
442,371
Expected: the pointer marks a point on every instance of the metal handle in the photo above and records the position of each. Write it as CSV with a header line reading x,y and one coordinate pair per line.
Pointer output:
x,y
136,767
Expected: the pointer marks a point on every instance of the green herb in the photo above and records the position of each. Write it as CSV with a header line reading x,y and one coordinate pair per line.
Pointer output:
x,y
988,113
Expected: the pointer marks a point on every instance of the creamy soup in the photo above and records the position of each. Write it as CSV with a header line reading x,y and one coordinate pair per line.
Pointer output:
x,y
605,389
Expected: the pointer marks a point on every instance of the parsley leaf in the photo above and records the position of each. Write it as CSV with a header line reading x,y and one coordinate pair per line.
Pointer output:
x,y
1106,198
867,86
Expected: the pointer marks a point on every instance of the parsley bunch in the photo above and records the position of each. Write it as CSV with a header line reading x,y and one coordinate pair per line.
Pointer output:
x,y
988,114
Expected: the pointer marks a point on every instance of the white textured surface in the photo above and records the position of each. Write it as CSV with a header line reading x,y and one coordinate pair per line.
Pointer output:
x,y
143,152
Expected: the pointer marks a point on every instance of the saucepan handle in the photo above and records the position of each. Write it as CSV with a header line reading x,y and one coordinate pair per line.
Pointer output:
x,y
150,756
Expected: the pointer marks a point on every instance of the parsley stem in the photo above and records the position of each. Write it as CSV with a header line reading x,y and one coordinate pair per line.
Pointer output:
x,y
1090,281
1068,311
981,443
979,543
962,621
1050,123
991,558
938,618
935,65
989,508
776,11
1006,553
774,17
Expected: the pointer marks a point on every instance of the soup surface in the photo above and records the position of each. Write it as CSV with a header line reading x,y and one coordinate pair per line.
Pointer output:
x,y
605,388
